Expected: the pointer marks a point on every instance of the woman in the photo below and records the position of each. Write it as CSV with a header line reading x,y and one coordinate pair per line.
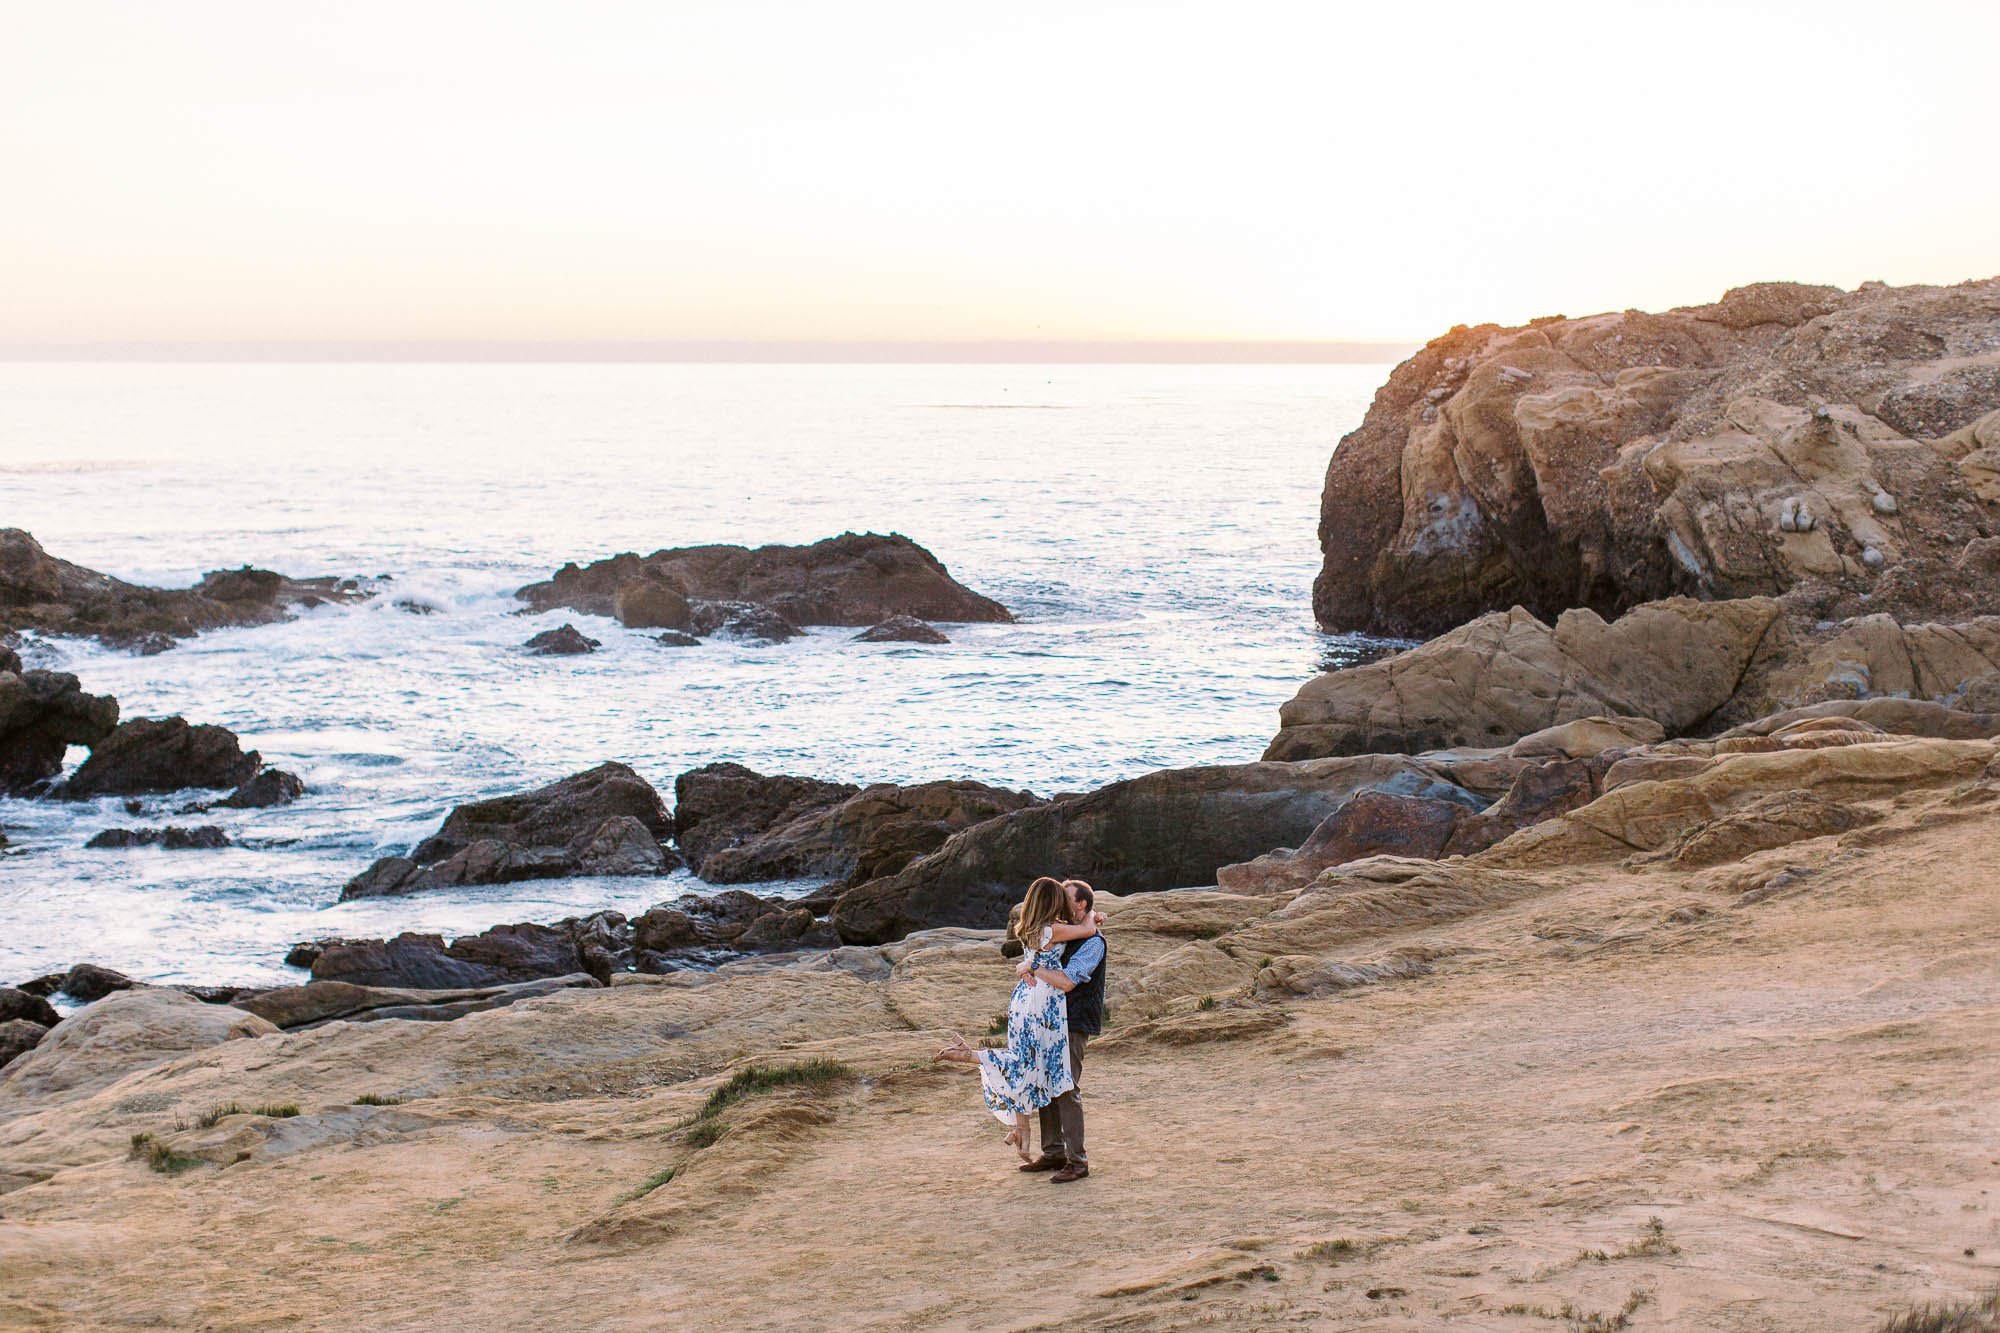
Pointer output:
x,y
1033,1069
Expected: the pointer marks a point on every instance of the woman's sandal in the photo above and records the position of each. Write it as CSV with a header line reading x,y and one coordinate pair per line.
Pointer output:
x,y
958,1044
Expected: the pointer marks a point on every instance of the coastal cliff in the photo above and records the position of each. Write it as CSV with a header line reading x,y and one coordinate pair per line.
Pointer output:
x,y
1839,448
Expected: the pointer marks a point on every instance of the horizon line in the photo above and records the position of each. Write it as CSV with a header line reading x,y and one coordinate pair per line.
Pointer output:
x,y
1073,351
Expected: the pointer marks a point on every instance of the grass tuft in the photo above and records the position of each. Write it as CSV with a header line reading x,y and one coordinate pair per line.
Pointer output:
x,y
376,1099
207,1119
754,1079
1207,1002
160,1157
1979,1315
1652,1243
651,1183
1333,1251
702,1133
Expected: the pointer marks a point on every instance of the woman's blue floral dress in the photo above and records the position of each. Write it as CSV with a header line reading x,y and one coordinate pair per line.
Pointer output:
x,y
1034,1068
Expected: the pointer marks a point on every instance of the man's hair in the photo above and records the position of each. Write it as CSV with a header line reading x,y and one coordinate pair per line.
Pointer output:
x,y
1083,893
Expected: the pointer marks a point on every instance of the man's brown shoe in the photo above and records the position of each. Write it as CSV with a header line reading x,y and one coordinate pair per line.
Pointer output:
x,y
1045,1163
1069,1173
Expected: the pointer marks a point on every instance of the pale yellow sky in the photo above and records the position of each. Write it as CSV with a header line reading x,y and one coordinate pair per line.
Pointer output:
x,y
249,171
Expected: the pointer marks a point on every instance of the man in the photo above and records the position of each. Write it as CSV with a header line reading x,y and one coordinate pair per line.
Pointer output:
x,y
1081,978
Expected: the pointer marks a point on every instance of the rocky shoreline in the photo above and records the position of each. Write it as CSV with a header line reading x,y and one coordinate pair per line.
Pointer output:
x,y
1687,801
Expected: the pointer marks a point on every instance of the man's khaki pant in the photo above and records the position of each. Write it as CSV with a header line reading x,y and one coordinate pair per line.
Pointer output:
x,y
1062,1119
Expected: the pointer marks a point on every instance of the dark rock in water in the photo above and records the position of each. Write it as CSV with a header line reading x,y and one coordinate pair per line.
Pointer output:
x,y
173,838
743,620
875,832
674,638
1164,830
49,983
651,604
724,805
411,606
18,1036
606,821
665,929
901,629
504,953
15,1003
852,579
40,592
87,982
273,786
213,994
42,714
296,1007
161,754
133,805
306,952
564,641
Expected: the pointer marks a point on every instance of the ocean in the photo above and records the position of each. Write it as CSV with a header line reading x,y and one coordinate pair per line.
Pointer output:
x,y
1152,527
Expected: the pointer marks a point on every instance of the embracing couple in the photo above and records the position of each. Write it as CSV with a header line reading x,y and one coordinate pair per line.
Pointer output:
x,y
1058,1005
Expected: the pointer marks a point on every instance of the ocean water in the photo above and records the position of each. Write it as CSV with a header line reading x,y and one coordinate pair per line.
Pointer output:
x,y
1151,526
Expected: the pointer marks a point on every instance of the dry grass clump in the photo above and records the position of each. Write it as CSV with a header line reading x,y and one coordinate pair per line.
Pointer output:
x,y
754,1079
1978,1315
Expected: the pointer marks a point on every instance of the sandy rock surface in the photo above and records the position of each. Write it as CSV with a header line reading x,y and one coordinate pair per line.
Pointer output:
x,y
1785,439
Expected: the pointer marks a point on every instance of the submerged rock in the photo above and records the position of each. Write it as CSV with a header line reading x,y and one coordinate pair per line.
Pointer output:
x,y
563,641
743,620
901,629
852,579
161,754
273,786
605,821
172,838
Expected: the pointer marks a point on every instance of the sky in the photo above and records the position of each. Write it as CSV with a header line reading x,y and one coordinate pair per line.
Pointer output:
x,y
593,172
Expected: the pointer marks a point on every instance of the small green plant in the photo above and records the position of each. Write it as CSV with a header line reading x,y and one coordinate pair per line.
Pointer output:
x,y
446,1205
651,1183
1593,1256
277,1110
376,1099
273,1110
702,1133
1333,1251
1207,1002
207,1119
160,1157
1653,1243
998,1027
1265,962
753,1079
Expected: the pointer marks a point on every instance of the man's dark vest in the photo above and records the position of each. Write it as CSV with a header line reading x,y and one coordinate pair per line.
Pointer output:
x,y
1086,1002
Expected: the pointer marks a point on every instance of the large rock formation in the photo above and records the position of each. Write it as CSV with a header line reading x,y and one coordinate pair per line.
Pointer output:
x,y
129,1030
852,579
1689,666
1839,446
605,821
40,592
42,714
738,826
1159,831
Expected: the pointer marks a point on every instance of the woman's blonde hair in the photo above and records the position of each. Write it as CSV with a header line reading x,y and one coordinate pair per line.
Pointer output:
x,y
1045,905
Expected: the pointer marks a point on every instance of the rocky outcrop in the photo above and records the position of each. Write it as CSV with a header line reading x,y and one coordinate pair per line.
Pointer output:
x,y
18,1036
783,829
1836,446
1163,830
563,641
852,579
1689,666
1505,675
316,1003
605,821
272,787
129,1030
498,956
42,714
725,805
901,629
173,838
52,596
159,755
20,1004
